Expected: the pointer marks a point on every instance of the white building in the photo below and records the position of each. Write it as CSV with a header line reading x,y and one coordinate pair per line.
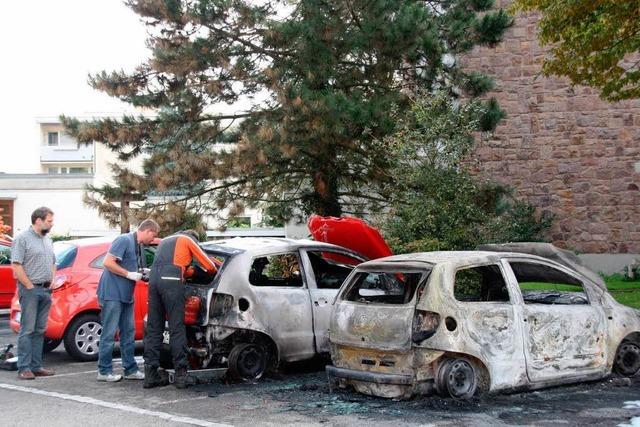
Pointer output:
x,y
57,179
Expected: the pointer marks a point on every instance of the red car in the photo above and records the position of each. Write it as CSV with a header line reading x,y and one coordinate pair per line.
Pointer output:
x,y
7,282
75,315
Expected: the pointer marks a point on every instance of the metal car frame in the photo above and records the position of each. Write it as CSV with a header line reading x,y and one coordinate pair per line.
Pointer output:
x,y
435,343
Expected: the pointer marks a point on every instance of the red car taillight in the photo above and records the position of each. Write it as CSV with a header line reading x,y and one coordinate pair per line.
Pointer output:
x,y
191,310
220,305
425,325
60,282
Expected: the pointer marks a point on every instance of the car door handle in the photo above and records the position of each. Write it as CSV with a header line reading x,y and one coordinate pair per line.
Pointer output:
x,y
320,302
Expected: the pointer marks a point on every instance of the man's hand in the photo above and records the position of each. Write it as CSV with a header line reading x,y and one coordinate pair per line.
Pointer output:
x,y
190,271
134,275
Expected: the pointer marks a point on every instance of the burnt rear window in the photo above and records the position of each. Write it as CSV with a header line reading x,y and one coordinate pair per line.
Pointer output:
x,y
384,287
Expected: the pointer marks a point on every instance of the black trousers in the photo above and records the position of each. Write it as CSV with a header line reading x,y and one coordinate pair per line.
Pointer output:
x,y
166,300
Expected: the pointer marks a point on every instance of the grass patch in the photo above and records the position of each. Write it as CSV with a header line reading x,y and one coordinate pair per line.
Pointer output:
x,y
624,290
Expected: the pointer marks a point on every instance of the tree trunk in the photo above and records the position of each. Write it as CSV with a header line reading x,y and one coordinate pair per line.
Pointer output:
x,y
125,227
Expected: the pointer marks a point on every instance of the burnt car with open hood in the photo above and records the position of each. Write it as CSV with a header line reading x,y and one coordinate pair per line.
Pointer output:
x,y
270,301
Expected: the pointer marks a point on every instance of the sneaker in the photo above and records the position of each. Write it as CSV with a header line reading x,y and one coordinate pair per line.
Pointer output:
x,y
137,375
110,377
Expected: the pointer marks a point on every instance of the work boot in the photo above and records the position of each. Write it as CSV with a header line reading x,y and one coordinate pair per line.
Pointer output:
x,y
180,378
152,377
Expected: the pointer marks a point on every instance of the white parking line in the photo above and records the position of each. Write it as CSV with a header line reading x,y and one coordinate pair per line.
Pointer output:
x,y
116,406
95,371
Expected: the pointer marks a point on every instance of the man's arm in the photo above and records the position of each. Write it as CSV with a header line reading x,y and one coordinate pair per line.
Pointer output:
x,y
111,264
21,275
53,273
201,256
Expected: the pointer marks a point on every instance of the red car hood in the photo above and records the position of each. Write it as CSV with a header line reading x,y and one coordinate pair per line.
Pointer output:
x,y
351,233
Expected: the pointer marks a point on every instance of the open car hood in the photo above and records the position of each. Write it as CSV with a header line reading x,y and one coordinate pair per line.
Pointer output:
x,y
547,250
351,233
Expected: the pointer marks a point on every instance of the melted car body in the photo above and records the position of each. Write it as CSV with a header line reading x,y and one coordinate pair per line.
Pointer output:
x,y
456,323
269,302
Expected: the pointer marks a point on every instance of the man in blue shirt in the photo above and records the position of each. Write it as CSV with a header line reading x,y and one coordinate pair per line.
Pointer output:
x,y
122,266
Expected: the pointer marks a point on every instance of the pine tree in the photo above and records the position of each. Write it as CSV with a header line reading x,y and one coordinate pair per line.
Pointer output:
x,y
327,79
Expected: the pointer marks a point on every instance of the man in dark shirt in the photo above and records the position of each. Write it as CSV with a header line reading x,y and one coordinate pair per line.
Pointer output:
x,y
115,296
166,300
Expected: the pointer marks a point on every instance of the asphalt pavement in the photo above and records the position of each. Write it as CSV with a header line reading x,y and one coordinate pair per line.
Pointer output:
x,y
300,396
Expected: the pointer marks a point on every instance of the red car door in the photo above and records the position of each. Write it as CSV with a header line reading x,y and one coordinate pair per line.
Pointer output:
x,y
7,282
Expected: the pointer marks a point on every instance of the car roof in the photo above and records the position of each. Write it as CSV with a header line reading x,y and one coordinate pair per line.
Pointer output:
x,y
266,244
88,241
444,257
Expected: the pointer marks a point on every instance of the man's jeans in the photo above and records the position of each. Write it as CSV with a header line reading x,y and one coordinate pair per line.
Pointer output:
x,y
117,315
34,306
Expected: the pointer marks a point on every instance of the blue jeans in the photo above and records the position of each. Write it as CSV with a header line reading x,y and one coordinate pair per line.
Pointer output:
x,y
34,307
117,315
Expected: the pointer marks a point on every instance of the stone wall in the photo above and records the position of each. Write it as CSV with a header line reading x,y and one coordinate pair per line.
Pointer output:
x,y
562,148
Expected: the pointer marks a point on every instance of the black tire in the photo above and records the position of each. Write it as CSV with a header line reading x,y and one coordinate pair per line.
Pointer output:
x,y
457,378
627,361
82,337
50,345
248,361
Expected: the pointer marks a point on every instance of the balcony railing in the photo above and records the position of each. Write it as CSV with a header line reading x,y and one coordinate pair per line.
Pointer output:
x,y
66,154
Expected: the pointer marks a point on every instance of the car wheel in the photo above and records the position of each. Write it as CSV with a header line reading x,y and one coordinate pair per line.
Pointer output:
x,y
248,361
83,337
50,344
627,361
457,378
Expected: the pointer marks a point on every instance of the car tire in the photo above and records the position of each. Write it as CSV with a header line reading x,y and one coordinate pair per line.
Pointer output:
x,y
627,361
82,338
457,378
50,344
248,361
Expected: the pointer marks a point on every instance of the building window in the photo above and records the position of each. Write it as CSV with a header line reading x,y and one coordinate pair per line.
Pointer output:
x,y
69,170
78,170
53,139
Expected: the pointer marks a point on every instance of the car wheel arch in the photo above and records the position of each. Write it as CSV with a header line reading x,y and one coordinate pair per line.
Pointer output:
x,y
482,372
251,336
629,345
73,352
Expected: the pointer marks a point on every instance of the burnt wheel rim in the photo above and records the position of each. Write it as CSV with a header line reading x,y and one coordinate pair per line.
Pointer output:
x,y
461,379
628,359
251,362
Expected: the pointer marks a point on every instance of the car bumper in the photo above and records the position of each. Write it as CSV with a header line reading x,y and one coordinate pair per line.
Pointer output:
x,y
372,377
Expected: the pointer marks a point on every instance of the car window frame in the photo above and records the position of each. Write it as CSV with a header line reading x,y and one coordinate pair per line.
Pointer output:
x,y
310,273
512,298
349,282
9,248
591,291
270,254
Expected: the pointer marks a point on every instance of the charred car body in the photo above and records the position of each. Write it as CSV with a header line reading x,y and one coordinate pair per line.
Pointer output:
x,y
269,302
457,323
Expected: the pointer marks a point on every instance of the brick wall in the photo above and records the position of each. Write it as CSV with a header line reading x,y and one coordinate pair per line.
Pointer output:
x,y
562,148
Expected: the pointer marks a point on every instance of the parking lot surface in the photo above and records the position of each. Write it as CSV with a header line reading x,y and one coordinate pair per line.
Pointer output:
x,y
300,395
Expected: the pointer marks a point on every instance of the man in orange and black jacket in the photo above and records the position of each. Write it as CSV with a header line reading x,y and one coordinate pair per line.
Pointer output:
x,y
166,298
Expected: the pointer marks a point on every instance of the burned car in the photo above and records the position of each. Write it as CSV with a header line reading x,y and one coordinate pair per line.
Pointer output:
x,y
269,302
457,323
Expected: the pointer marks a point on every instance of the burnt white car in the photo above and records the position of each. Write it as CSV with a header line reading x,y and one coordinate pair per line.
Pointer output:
x,y
269,302
456,323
